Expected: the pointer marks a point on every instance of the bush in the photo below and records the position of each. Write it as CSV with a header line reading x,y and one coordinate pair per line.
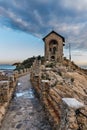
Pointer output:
x,y
50,65
72,80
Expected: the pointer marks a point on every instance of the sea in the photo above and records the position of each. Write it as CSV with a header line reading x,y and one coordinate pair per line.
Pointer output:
x,y
83,66
7,67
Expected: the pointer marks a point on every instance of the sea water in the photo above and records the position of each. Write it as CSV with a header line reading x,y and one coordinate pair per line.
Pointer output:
x,y
7,67
83,66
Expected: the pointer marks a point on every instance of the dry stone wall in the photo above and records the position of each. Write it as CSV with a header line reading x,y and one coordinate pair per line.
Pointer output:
x,y
4,92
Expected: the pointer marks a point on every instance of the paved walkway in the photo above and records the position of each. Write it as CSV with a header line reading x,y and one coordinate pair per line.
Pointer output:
x,y
25,111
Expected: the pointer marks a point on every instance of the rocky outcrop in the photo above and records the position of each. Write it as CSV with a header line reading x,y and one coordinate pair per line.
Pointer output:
x,y
56,83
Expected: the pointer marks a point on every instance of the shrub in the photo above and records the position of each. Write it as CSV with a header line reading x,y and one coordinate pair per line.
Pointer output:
x,y
60,73
50,65
72,79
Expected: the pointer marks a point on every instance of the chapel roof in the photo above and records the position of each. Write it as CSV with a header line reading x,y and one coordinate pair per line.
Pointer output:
x,y
54,33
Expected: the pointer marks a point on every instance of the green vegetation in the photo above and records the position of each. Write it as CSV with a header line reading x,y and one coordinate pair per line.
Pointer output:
x,y
72,80
50,65
28,62
45,77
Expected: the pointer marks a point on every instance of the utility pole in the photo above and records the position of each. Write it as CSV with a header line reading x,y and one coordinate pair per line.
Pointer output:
x,y
69,57
69,51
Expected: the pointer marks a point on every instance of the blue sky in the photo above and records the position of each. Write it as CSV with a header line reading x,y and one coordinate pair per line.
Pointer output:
x,y
16,46
23,24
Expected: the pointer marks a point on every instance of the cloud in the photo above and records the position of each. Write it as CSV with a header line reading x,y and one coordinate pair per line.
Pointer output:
x,y
78,5
38,17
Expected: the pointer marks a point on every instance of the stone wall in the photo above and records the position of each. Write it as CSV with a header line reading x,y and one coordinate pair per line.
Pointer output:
x,y
7,88
3,77
52,88
20,73
4,92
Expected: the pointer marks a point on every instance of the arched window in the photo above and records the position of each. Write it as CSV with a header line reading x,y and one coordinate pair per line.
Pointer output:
x,y
53,42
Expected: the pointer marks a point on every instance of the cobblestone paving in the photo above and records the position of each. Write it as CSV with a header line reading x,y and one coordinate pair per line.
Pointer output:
x,y
25,111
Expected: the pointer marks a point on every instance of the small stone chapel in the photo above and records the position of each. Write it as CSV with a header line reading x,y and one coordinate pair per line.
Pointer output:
x,y
54,47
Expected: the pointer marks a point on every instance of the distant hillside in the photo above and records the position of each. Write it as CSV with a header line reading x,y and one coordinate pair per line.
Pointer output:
x,y
28,62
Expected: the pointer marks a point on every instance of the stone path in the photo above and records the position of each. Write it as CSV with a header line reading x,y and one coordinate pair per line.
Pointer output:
x,y
25,111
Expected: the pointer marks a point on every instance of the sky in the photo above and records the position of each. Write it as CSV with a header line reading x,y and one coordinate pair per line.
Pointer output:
x,y
23,24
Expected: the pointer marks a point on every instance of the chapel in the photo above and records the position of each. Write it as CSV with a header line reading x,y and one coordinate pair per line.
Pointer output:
x,y
53,47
